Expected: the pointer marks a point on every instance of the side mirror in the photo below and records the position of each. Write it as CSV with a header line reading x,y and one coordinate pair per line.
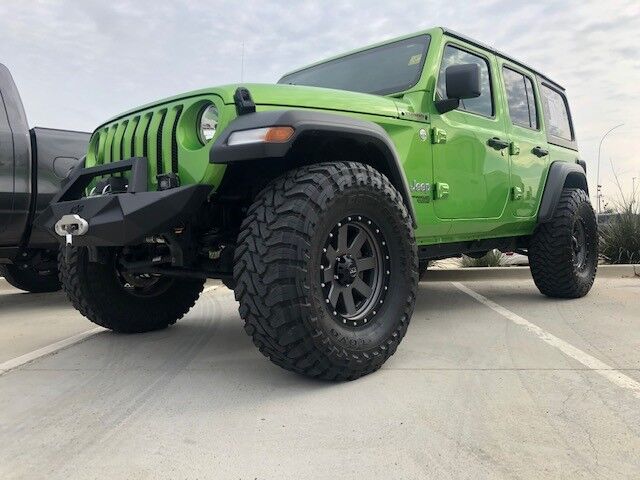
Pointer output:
x,y
462,81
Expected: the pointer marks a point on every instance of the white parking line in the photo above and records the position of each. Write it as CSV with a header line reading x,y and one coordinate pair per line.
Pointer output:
x,y
611,374
54,347
49,349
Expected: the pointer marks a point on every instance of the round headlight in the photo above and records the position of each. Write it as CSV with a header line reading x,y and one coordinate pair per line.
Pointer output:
x,y
208,123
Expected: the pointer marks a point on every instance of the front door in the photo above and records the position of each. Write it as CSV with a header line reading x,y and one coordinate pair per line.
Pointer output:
x,y
528,143
471,162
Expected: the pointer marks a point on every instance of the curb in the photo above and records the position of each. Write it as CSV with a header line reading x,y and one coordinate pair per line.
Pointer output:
x,y
518,273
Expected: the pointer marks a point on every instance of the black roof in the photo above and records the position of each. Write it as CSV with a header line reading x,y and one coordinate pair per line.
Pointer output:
x,y
455,34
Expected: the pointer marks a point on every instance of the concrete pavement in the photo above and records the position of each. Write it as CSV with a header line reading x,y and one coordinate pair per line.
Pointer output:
x,y
469,394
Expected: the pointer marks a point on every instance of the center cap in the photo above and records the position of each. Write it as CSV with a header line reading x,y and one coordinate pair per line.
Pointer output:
x,y
346,270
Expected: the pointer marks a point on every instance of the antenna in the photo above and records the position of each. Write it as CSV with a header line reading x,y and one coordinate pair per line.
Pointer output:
x,y
242,64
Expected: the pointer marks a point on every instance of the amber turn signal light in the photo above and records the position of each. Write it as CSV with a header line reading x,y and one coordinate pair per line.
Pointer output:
x,y
278,134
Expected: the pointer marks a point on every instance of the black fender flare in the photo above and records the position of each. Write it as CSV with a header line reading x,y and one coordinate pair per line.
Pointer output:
x,y
308,123
561,175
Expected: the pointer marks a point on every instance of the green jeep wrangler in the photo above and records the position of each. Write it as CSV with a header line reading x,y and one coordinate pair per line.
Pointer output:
x,y
320,200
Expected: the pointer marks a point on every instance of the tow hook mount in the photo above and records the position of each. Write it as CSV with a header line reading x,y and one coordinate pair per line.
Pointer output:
x,y
70,225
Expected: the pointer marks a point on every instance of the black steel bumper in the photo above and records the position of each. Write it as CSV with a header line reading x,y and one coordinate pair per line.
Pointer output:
x,y
123,218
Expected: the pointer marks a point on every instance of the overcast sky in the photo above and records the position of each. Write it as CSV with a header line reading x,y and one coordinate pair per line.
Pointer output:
x,y
78,62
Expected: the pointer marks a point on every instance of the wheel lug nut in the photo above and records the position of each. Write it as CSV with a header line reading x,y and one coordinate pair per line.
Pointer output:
x,y
322,285
344,320
327,300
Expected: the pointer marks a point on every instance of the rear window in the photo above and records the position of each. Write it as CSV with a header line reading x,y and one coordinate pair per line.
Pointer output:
x,y
556,113
520,98
382,70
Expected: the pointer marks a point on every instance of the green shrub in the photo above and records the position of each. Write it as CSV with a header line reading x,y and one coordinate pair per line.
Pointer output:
x,y
493,258
620,234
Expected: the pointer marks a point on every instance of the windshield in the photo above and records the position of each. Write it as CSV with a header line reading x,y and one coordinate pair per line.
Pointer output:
x,y
382,70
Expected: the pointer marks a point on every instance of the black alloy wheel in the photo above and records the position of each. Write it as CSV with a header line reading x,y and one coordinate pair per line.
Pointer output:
x,y
355,271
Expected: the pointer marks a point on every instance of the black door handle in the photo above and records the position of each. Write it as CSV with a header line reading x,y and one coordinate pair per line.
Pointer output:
x,y
539,152
497,143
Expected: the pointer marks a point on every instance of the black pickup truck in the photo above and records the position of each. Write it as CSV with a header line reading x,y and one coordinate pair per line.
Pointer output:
x,y
33,164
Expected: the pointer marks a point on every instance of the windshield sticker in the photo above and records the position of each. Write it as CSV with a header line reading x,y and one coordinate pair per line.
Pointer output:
x,y
414,60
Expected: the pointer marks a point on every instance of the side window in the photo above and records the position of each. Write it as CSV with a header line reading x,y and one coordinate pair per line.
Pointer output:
x,y
520,98
482,105
531,100
556,113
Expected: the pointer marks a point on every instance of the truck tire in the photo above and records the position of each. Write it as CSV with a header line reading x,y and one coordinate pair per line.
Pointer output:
x,y
30,279
563,253
123,302
326,270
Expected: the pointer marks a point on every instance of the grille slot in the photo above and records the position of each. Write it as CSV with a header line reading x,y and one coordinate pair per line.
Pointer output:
x,y
128,147
159,163
145,139
101,142
121,132
174,141
108,147
112,156
140,136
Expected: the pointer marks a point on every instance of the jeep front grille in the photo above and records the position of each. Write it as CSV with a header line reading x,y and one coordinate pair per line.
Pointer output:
x,y
148,134
166,134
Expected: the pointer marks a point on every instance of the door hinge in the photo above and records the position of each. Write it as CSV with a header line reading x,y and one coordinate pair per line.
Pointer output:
x,y
442,190
514,148
438,135
517,193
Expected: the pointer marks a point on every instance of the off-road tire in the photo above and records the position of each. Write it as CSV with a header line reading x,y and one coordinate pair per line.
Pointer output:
x,y
230,283
552,253
423,266
278,263
30,279
95,291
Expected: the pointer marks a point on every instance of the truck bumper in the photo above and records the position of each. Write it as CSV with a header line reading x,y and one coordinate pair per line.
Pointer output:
x,y
123,218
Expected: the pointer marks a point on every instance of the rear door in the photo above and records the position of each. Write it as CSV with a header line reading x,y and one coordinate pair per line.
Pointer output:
x,y
528,150
471,171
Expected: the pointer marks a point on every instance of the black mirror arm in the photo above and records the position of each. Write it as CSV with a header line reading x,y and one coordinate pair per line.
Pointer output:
x,y
446,105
